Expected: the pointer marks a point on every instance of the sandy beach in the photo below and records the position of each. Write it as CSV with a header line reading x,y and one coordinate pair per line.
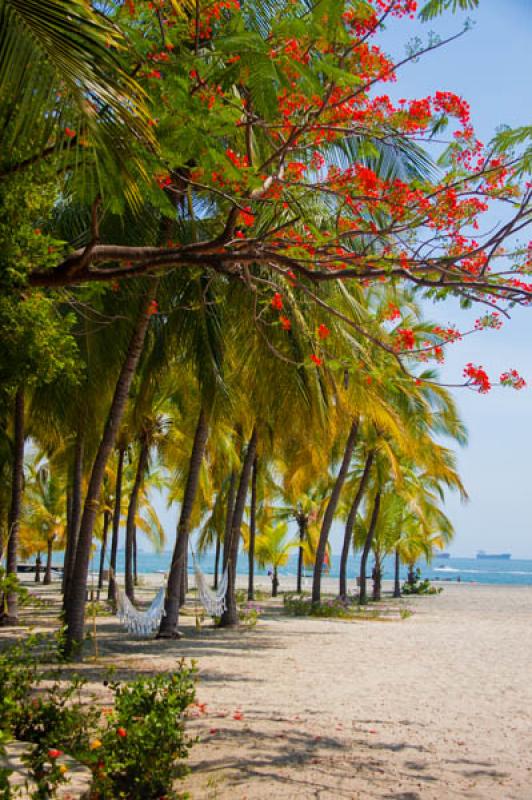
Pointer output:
x,y
436,705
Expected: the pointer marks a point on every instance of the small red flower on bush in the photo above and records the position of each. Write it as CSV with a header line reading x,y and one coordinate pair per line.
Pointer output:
x,y
323,331
121,732
285,323
316,359
70,133
153,308
53,753
247,216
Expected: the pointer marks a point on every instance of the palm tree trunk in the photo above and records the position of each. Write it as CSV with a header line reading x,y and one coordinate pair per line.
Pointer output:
x,y
38,568
275,582
216,562
116,523
9,608
331,510
350,522
397,580
135,563
132,514
230,615
363,598
106,519
75,515
75,610
302,522
184,582
48,571
169,623
252,532
377,577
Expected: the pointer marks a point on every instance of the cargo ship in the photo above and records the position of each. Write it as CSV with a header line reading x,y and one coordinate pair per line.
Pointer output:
x,y
502,556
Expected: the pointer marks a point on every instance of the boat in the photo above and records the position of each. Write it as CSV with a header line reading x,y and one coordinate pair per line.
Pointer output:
x,y
437,554
503,556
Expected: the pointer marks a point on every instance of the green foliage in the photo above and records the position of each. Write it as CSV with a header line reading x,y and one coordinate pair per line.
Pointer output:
x,y
10,584
435,7
135,749
300,606
144,743
249,614
419,586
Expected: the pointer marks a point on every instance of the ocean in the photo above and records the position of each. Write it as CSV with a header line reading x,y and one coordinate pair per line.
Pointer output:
x,y
496,571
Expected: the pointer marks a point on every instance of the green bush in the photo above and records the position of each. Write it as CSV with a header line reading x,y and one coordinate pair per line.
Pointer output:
x,y
418,586
301,606
135,748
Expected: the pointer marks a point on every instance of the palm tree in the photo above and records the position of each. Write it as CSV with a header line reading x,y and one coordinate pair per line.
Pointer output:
x,y
273,550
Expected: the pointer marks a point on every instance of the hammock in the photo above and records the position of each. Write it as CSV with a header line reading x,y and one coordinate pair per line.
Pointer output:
x,y
142,623
213,602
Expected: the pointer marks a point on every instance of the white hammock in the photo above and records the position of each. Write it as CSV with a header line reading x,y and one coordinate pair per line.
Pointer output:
x,y
142,623
213,602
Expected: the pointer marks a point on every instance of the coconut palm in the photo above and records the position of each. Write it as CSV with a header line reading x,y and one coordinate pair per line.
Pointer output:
x,y
272,549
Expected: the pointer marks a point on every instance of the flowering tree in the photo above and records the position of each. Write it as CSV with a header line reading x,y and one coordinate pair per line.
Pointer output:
x,y
272,127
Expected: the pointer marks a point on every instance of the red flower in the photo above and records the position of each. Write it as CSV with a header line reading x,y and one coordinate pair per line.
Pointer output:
x,y
277,302
153,308
53,753
121,732
316,359
323,331
70,133
285,323
247,216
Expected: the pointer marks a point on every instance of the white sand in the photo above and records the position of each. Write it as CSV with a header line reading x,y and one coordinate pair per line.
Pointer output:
x,y
438,705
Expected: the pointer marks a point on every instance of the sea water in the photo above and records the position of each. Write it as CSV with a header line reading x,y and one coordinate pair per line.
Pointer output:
x,y
513,571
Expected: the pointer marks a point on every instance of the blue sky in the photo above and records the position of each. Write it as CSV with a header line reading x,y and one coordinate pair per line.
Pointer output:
x,y
491,66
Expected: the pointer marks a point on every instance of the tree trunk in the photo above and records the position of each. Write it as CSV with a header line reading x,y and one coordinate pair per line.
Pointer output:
x,y
377,577
169,623
106,519
38,568
397,580
230,615
350,523
135,562
302,523
48,571
331,509
75,515
252,532
75,610
9,609
411,578
275,582
183,589
131,516
363,598
116,524
216,562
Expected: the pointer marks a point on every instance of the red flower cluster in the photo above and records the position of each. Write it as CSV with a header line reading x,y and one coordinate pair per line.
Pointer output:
x,y
286,325
70,133
277,302
491,320
478,377
153,308
316,359
512,379
323,331
247,217
406,339
392,312
53,753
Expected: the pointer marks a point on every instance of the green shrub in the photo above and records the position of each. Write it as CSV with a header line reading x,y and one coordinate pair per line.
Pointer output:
x,y
418,586
301,606
135,749
139,754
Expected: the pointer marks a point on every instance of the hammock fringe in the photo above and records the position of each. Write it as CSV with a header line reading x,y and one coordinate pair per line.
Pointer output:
x,y
141,623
